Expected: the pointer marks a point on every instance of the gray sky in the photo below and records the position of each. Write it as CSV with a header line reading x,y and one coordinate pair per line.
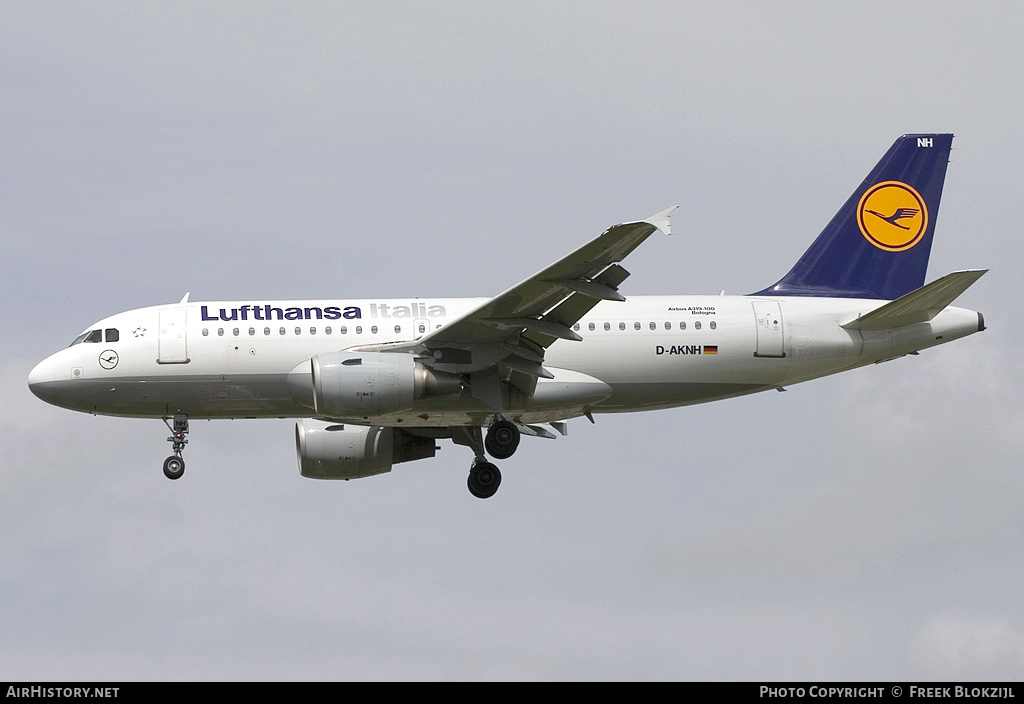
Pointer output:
x,y
865,526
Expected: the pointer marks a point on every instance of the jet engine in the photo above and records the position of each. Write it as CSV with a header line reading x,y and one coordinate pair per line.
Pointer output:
x,y
335,451
365,384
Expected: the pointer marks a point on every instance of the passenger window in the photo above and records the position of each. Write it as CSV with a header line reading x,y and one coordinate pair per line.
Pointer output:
x,y
111,334
682,325
668,325
622,326
398,329
696,325
266,331
206,331
607,326
373,329
220,332
327,330
422,328
280,331
312,331
252,331
636,326
654,325
343,330
235,332
359,329
298,331
714,325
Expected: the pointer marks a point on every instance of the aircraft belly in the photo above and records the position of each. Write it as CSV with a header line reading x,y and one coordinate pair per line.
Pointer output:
x,y
200,397
652,396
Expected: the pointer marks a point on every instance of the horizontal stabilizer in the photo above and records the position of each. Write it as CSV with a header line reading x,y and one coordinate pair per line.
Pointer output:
x,y
918,306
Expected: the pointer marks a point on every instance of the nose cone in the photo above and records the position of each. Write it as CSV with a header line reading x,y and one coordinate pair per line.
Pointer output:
x,y
41,381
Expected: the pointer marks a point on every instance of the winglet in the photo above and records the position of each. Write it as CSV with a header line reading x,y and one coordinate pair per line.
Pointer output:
x,y
661,220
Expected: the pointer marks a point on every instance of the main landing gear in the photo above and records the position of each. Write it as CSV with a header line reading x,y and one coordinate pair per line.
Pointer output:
x,y
501,442
502,439
484,479
174,466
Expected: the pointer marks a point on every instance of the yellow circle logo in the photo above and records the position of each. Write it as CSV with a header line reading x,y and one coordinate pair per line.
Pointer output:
x,y
892,216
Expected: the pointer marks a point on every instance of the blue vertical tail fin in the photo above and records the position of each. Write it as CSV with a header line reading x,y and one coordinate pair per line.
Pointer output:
x,y
877,245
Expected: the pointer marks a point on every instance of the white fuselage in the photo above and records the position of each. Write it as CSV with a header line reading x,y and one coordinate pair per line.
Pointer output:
x,y
233,359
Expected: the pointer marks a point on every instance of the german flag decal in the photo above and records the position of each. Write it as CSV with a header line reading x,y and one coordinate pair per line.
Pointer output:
x,y
710,349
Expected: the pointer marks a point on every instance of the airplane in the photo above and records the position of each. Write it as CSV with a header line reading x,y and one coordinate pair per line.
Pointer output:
x,y
375,383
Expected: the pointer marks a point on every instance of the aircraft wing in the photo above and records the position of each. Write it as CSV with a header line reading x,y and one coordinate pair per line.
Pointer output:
x,y
513,329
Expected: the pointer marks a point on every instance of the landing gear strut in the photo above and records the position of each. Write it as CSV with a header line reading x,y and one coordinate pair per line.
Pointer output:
x,y
174,466
484,477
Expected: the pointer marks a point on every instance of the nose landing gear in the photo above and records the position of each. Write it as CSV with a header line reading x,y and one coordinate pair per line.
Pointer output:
x,y
174,466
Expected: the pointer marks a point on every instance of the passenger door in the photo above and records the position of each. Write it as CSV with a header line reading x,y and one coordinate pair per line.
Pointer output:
x,y
173,343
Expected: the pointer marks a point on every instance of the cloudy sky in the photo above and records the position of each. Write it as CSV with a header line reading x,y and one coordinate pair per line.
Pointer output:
x,y
865,526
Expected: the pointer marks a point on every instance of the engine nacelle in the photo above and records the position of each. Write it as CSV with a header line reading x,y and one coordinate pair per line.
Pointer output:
x,y
366,384
334,451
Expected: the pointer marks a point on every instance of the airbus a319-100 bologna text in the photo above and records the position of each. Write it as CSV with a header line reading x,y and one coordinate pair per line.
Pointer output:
x,y
379,382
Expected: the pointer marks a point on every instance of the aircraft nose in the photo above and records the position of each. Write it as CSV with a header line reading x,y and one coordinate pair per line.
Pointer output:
x,y
41,381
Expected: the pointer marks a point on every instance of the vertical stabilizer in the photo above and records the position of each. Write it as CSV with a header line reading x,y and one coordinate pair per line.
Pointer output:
x,y
877,245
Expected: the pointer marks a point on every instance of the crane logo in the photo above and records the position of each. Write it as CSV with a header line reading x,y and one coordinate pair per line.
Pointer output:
x,y
108,359
892,216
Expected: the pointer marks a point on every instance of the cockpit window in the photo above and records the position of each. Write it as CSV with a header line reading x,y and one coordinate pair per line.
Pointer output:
x,y
91,336
112,335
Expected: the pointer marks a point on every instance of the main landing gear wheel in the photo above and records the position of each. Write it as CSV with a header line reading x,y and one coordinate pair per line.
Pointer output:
x,y
484,480
174,467
502,439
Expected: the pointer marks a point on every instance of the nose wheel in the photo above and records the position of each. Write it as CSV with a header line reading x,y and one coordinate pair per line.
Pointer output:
x,y
174,466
